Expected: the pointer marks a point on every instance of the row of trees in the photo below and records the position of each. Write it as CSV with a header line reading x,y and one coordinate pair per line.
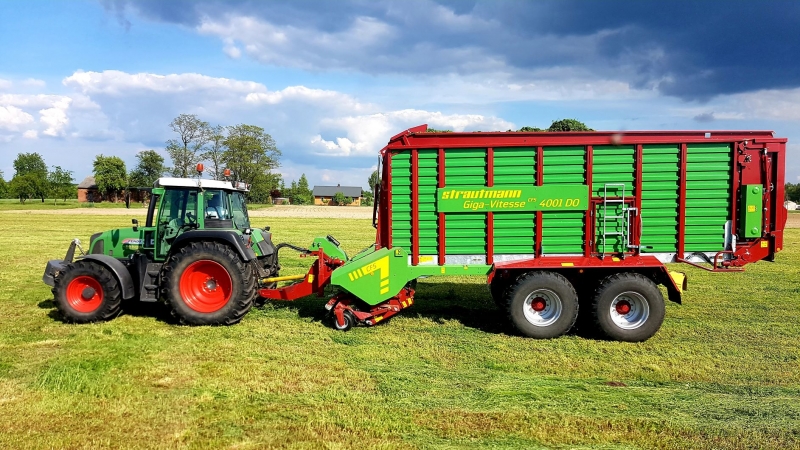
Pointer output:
x,y
793,192
32,179
247,150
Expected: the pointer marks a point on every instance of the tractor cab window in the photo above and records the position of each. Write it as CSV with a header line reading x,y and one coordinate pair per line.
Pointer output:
x,y
239,209
178,211
217,209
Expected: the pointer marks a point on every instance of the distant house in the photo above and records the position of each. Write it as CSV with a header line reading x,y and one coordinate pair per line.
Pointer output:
x,y
88,192
323,195
790,205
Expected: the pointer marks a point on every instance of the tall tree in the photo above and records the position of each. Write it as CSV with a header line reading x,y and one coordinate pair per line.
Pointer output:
x,y
110,175
186,150
3,186
374,179
568,125
62,185
215,152
251,154
303,192
23,187
32,164
149,168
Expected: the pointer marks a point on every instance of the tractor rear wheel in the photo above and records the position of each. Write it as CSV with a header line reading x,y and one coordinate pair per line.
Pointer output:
x,y
542,304
87,292
628,307
207,283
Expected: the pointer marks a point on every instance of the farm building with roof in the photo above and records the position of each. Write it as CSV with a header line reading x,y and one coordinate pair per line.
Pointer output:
x,y
323,195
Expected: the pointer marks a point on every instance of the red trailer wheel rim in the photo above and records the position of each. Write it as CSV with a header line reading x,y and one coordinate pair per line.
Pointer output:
x,y
84,294
206,286
538,304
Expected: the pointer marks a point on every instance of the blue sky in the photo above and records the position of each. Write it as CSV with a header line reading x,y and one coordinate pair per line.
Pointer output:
x,y
333,80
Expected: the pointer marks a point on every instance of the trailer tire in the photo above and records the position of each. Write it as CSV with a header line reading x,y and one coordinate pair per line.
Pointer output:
x,y
628,307
87,291
207,283
542,305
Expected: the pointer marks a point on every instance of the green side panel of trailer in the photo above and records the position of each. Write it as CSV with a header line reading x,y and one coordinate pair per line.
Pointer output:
x,y
465,232
563,232
428,218
660,198
613,170
708,196
514,232
401,200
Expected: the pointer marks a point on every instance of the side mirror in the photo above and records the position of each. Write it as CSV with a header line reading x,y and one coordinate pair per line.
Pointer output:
x,y
135,223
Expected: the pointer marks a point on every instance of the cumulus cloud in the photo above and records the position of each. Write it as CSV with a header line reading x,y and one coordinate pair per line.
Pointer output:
x,y
115,82
365,134
13,118
616,40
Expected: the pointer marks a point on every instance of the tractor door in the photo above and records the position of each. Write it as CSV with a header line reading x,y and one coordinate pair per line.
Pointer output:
x,y
177,213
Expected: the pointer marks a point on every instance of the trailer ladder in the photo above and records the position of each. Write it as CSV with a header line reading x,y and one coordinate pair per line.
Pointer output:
x,y
614,219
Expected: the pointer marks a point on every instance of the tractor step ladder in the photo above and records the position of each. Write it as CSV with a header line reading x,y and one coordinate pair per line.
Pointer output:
x,y
614,219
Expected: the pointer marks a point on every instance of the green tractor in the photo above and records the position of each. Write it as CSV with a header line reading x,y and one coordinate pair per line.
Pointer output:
x,y
196,251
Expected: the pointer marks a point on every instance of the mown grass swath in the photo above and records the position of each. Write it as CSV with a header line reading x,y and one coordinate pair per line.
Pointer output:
x,y
722,372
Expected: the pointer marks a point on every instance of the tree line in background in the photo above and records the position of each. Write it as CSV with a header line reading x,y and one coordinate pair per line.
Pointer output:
x,y
246,150
793,192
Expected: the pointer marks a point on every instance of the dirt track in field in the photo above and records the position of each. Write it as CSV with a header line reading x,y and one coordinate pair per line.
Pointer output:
x,y
308,212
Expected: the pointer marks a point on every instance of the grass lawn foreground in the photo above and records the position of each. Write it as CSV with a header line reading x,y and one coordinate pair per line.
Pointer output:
x,y
723,372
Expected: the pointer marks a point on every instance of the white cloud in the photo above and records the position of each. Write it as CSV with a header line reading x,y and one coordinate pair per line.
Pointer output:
x,y
115,82
5,84
30,134
365,134
13,118
55,118
296,46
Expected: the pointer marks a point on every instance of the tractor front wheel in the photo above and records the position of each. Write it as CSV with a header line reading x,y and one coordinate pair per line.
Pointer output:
x,y
207,283
87,292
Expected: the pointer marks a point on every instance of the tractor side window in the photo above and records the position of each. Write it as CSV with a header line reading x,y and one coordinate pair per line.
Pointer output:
x,y
216,205
239,208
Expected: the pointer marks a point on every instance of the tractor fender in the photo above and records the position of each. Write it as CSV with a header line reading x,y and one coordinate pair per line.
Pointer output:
x,y
119,270
225,236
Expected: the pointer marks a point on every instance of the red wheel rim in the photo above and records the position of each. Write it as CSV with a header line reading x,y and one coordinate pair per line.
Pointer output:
x,y
538,304
84,294
206,286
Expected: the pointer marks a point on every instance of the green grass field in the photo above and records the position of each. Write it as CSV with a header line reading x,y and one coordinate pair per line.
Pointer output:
x,y
723,372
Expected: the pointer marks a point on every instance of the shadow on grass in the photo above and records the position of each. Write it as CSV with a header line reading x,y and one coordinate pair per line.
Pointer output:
x,y
132,307
469,304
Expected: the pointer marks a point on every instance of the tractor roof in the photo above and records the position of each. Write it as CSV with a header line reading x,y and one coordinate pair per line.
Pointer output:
x,y
200,183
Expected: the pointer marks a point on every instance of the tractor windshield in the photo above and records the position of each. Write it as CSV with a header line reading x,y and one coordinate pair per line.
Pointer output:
x,y
239,210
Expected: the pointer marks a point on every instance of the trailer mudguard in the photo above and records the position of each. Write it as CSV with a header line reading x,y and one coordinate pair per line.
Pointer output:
x,y
119,270
229,237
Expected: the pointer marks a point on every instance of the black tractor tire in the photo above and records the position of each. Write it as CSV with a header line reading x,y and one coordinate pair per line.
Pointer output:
x,y
542,305
628,307
86,291
207,283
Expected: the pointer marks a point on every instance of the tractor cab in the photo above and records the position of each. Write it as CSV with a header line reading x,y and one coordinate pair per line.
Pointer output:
x,y
179,205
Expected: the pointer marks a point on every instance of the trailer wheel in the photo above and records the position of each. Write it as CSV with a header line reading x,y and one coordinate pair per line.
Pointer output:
x,y
87,292
207,283
628,307
542,305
